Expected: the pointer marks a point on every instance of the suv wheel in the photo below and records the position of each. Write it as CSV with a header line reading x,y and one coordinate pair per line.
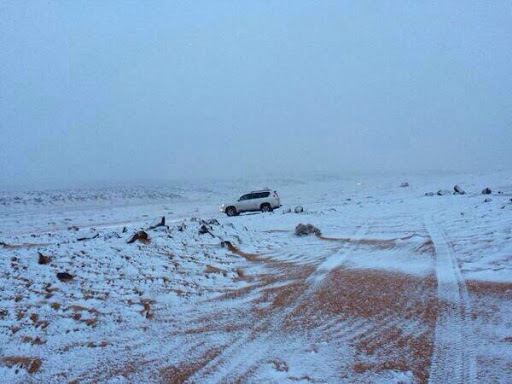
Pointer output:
x,y
231,211
266,208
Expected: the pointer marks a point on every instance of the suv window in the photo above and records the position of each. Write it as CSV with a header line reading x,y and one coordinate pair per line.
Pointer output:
x,y
263,195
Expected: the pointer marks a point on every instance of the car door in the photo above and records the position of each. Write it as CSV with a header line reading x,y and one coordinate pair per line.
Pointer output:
x,y
255,201
244,203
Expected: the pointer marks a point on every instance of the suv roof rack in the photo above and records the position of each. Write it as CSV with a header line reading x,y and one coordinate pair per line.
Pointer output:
x,y
262,190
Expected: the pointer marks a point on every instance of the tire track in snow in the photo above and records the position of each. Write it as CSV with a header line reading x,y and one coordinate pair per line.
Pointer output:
x,y
453,358
231,361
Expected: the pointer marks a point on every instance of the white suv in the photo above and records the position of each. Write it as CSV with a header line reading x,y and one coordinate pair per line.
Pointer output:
x,y
264,200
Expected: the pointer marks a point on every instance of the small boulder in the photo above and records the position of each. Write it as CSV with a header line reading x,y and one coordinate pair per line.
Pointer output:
x,y
140,236
43,259
486,191
298,209
405,184
443,192
429,193
458,190
307,229
488,200
161,223
204,229
64,276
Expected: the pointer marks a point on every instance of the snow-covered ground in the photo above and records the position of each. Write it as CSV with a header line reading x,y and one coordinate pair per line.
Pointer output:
x,y
400,287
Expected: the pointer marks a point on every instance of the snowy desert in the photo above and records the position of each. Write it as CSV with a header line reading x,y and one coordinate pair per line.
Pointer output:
x,y
399,288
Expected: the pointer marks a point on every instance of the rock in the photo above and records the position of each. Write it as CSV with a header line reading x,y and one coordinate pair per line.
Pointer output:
x,y
204,229
298,209
140,236
111,235
64,276
88,238
429,194
443,192
287,210
161,223
124,230
486,191
43,259
458,190
488,200
405,184
307,229
73,228
182,227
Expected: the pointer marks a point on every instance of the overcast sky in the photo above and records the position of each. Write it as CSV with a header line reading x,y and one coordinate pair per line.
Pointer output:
x,y
118,90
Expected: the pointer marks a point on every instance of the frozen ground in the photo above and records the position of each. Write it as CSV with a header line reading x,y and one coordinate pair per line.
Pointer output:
x,y
400,287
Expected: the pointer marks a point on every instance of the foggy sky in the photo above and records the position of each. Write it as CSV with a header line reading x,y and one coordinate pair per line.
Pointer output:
x,y
93,90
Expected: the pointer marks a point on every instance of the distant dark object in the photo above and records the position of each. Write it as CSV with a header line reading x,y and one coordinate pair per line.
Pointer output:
x,y
458,190
488,200
226,244
405,184
43,259
73,228
64,276
182,227
307,229
140,236
88,238
161,223
443,192
486,191
298,209
124,230
500,192
204,229
429,194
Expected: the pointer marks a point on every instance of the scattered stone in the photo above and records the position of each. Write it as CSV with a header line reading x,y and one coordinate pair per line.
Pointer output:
x,y
486,191
429,194
204,229
443,192
73,228
64,276
458,190
307,229
111,235
488,200
182,227
43,259
124,230
140,236
500,192
161,223
88,238
405,184
298,209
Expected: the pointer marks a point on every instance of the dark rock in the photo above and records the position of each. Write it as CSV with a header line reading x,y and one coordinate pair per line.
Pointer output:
x,y
204,229
488,200
458,190
429,194
443,192
140,236
486,191
88,238
64,276
307,229
73,228
298,209
124,230
182,227
405,184
161,223
43,259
